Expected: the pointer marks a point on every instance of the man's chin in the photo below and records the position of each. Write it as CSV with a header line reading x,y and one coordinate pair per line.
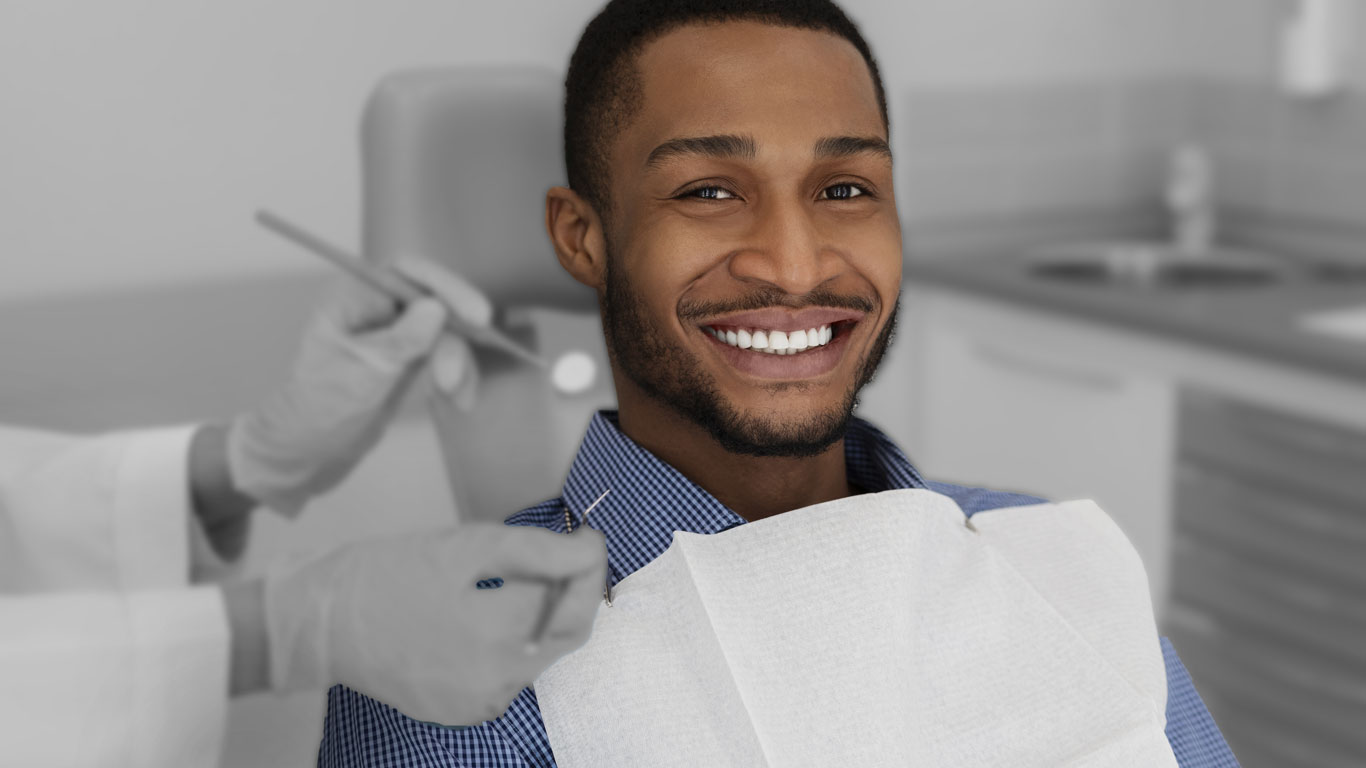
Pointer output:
x,y
773,435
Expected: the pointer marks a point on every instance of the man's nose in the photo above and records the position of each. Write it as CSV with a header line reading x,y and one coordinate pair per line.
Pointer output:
x,y
786,248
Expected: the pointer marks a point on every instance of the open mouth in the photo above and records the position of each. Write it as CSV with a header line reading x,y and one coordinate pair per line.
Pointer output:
x,y
780,344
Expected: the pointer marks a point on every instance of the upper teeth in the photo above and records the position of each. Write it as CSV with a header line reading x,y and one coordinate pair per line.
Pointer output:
x,y
773,342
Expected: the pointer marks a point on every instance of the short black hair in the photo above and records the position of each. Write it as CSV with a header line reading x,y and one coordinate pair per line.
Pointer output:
x,y
603,88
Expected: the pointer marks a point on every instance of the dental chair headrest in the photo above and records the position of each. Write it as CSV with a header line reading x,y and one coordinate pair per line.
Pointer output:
x,y
455,166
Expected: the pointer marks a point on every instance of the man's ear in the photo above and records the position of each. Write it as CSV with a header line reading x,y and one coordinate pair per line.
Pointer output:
x,y
576,234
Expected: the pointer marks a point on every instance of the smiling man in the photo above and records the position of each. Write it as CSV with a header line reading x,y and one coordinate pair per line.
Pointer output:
x,y
730,198
741,229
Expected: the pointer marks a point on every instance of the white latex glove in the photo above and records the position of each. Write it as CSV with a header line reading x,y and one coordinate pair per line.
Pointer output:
x,y
453,364
357,359
403,622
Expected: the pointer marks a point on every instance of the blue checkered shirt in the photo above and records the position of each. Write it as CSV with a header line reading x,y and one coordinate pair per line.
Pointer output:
x,y
649,501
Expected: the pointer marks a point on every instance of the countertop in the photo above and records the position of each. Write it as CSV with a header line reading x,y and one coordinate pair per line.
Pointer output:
x,y
194,351
1258,321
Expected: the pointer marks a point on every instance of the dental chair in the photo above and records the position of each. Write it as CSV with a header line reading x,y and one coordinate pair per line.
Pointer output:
x,y
455,166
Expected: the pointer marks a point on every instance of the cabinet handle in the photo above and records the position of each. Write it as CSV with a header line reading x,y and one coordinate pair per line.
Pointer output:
x,y
1310,681
1296,514
1043,370
1251,578
1305,439
1284,670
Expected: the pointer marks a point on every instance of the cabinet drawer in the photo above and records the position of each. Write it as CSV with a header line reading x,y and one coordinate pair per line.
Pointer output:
x,y
1293,450
1276,682
1277,528
1309,614
1259,741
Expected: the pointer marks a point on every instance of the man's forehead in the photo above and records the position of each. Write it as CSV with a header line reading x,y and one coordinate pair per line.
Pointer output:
x,y
745,79
721,45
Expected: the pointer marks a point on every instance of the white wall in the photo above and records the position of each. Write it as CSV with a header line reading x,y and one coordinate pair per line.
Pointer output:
x,y
937,43
1240,39
139,135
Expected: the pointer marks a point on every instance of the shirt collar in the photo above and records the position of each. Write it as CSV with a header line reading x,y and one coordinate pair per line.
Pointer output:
x,y
649,499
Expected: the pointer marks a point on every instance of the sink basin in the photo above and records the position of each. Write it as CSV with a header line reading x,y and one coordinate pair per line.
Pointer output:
x,y
1338,271
1346,323
1153,265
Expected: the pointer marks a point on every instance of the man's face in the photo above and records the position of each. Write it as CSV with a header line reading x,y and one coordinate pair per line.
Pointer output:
x,y
752,194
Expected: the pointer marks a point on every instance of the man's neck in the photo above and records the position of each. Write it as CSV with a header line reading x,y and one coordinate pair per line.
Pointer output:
x,y
753,487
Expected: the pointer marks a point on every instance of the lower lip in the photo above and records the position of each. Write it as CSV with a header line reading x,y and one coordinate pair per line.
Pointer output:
x,y
803,365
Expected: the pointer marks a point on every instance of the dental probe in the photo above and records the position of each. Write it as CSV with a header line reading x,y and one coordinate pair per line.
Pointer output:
x,y
393,285
572,373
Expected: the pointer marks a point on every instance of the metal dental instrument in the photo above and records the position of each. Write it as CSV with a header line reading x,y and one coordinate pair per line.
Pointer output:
x,y
400,289
555,589
568,524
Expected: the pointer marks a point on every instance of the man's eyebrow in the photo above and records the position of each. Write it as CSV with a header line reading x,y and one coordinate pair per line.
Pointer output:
x,y
722,146
847,146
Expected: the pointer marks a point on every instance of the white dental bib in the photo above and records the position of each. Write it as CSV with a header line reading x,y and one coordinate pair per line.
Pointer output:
x,y
876,630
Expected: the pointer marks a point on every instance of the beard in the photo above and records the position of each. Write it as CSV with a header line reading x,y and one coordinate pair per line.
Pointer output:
x,y
675,377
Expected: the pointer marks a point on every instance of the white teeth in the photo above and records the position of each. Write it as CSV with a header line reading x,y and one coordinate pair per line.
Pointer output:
x,y
774,342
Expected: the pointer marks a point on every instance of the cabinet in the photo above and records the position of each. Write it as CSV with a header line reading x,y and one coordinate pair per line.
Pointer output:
x,y
1269,579
1019,401
1240,481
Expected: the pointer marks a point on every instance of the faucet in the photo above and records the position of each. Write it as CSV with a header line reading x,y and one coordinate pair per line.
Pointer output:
x,y
1190,200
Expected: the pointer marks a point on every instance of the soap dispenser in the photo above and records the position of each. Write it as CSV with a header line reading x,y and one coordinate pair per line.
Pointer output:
x,y
1316,48
1190,200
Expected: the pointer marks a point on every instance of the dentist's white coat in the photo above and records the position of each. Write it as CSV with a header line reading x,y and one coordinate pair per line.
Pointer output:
x,y
109,655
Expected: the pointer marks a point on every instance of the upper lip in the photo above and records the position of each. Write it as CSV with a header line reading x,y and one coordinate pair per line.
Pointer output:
x,y
777,319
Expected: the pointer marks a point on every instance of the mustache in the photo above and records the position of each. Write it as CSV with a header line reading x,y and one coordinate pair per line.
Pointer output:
x,y
767,298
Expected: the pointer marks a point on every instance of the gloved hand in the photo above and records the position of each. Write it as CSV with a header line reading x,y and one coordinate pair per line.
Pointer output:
x,y
357,359
402,621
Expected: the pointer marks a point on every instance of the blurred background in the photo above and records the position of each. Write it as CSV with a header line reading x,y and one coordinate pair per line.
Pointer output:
x,y
1135,271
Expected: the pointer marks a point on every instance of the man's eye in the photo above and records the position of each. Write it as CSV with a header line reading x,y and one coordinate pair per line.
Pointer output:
x,y
709,193
843,192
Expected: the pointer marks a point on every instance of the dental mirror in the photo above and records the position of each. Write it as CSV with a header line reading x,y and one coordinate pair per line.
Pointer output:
x,y
572,373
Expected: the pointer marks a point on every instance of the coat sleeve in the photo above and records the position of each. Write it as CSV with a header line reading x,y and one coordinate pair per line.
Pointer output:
x,y
107,511
114,678
108,655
